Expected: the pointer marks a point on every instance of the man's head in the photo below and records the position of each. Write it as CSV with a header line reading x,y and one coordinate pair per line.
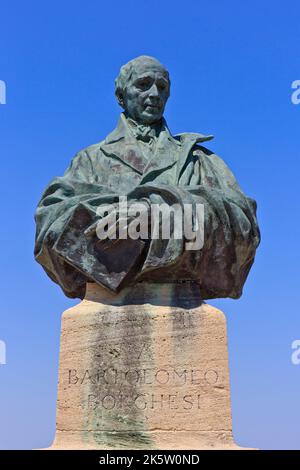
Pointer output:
x,y
143,88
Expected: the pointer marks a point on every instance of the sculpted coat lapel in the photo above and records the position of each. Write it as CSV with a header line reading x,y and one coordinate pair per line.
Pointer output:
x,y
169,150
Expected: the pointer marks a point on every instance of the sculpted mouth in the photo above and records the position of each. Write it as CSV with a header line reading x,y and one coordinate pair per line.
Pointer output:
x,y
153,106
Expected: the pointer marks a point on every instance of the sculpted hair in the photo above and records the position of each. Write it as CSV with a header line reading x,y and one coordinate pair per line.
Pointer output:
x,y
125,75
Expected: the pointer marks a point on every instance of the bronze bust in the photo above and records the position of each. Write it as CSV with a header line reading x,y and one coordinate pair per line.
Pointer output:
x,y
143,161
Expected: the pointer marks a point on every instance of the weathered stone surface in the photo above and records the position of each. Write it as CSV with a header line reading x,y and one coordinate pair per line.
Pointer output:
x,y
144,369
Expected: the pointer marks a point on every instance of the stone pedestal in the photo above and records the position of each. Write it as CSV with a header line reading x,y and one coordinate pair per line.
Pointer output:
x,y
144,369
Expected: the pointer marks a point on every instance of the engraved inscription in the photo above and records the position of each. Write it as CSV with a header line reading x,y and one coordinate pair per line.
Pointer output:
x,y
145,401
113,376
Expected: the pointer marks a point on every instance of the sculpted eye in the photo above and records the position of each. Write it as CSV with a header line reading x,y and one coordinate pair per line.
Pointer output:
x,y
143,84
162,86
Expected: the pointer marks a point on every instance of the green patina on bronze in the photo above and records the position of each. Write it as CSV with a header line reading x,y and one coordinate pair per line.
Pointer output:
x,y
142,160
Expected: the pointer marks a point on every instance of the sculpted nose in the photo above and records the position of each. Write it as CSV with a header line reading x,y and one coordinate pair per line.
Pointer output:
x,y
153,91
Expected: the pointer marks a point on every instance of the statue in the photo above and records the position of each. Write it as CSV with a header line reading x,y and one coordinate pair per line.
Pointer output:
x,y
143,360
143,161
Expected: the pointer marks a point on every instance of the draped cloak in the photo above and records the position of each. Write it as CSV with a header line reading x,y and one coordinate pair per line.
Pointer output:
x,y
180,171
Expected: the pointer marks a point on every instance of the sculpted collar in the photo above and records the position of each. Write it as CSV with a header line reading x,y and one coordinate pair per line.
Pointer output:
x,y
143,132
122,144
127,127
122,131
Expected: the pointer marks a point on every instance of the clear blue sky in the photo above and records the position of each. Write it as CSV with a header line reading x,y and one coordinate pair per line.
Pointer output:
x,y
231,64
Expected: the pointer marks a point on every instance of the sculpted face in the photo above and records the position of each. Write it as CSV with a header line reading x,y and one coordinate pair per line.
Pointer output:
x,y
147,92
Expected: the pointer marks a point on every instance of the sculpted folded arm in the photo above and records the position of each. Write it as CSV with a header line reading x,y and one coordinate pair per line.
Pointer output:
x,y
71,258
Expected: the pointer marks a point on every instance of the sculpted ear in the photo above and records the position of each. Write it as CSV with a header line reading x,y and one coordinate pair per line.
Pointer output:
x,y
120,98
